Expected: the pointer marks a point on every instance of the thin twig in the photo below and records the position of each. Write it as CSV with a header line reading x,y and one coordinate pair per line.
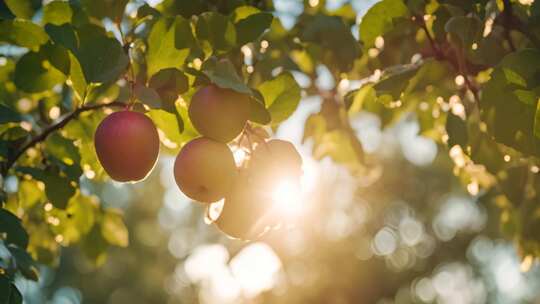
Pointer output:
x,y
438,53
52,128
131,79
461,65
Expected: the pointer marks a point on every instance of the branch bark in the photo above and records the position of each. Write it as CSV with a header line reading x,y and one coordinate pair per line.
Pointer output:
x,y
52,128
460,66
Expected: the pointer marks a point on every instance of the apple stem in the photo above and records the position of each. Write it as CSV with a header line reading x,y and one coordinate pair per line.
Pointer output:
x,y
249,132
131,76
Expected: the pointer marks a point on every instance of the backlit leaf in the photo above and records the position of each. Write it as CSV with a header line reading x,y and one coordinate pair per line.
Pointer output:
x,y
380,19
22,33
169,44
281,96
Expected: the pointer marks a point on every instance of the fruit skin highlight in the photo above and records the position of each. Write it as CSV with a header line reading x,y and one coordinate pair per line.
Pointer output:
x,y
205,169
276,159
127,145
219,114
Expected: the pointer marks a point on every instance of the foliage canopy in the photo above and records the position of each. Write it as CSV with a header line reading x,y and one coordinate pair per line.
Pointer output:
x,y
468,70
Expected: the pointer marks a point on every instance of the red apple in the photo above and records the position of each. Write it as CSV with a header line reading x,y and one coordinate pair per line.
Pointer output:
x,y
219,114
127,145
204,169
244,211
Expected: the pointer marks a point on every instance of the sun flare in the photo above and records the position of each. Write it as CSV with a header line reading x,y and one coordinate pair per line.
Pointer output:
x,y
287,198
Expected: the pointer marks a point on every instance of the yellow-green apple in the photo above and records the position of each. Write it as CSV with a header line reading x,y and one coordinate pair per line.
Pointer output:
x,y
204,169
219,114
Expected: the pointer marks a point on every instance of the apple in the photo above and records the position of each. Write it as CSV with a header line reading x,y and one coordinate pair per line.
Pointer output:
x,y
273,161
219,114
205,169
244,210
127,145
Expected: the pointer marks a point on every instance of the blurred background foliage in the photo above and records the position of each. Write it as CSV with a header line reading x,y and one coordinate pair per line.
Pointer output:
x,y
417,121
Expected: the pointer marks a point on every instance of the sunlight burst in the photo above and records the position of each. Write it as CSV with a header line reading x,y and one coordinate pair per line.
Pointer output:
x,y
287,198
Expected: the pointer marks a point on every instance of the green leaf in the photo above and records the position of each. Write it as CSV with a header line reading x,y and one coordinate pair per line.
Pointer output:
x,y
169,44
252,27
244,11
380,19
223,74
22,33
12,227
14,133
7,69
8,115
333,137
62,148
57,12
102,58
537,120
168,123
490,51
535,9
169,84
457,131
58,57
5,288
258,112
82,131
113,228
76,75
356,100
333,41
103,92
146,10
514,176
78,218
105,8
23,8
467,28
9,294
147,96
58,188
281,95
15,296
26,265
34,73
394,82
215,32
510,100
95,246
29,194
64,35
183,8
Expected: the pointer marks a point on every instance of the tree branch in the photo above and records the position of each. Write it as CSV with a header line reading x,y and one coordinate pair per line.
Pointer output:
x,y
52,128
460,67
438,53
511,22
